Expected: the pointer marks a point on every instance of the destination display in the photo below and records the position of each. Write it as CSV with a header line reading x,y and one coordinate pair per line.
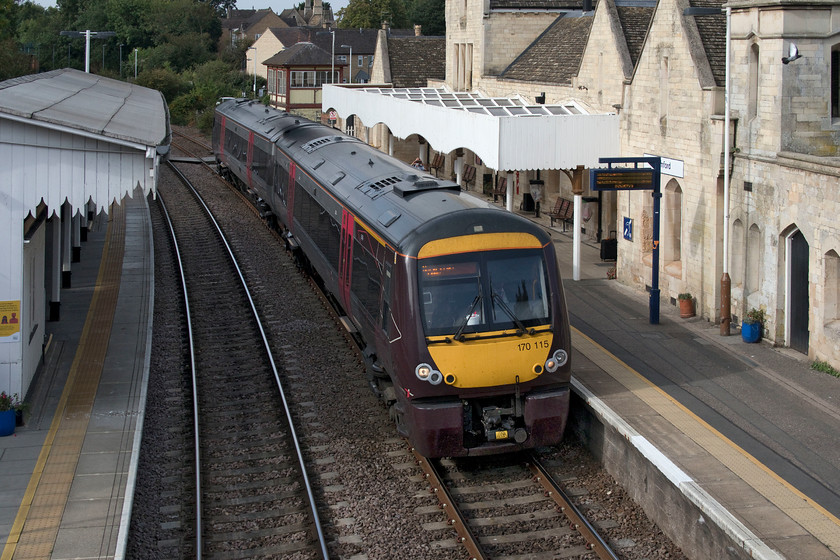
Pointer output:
x,y
619,179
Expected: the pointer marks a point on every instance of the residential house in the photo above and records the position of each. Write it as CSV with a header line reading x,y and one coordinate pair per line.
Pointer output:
x,y
361,43
247,25
314,14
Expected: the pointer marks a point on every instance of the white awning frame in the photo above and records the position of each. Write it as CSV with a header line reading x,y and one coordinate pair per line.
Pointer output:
x,y
505,133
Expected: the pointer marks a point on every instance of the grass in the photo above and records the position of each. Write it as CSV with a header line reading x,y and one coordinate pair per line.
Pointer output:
x,y
825,367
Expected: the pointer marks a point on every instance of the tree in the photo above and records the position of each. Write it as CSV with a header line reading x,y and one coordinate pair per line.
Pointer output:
x,y
369,14
429,14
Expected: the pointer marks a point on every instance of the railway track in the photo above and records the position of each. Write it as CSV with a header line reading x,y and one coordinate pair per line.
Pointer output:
x,y
508,505
252,490
374,499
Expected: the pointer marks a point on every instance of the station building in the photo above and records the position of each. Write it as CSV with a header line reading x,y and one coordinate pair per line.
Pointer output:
x,y
763,215
71,144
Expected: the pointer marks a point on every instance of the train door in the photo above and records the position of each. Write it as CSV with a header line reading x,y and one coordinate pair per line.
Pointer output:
x,y
219,132
250,165
345,260
290,196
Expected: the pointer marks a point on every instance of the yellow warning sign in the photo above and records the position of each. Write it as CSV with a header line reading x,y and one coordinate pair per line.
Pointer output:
x,y
9,318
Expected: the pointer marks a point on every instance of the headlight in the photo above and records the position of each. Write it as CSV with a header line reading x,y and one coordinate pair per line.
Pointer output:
x,y
424,372
557,360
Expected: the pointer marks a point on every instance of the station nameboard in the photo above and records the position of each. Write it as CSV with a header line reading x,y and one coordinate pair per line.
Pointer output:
x,y
626,178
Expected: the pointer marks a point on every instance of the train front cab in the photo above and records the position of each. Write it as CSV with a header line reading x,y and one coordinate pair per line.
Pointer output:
x,y
497,338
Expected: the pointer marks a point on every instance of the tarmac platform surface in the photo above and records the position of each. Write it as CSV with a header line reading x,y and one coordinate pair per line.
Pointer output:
x,y
732,446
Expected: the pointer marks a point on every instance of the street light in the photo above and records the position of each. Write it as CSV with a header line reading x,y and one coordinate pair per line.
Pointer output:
x,y
725,281
135,63
351,60
255,69
121,46
87,34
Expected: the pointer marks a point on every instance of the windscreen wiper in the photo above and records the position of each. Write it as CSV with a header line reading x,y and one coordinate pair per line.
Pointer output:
x,y
459,334
519,325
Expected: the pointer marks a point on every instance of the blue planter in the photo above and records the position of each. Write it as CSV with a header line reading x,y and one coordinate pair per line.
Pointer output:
x,y
751,332
7,422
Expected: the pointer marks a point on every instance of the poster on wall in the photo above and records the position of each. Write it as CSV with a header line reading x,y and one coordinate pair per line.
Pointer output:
x,y
10,321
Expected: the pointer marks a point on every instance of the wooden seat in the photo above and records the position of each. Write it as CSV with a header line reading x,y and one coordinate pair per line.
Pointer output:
x,y
501,188
468,175
437,163
563,210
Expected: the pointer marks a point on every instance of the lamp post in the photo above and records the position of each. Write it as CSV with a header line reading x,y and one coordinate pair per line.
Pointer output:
x,y
332,60
121,46
350,79
135,63
725,281
87,34
255,69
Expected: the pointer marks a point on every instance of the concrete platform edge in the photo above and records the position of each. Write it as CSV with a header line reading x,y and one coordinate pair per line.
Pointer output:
x,y
693,519
131,483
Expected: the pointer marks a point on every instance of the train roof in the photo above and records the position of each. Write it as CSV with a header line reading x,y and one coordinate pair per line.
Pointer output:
x,y
404,206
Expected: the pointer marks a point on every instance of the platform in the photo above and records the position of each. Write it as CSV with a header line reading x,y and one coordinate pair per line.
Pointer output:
x,y
68,474
724,443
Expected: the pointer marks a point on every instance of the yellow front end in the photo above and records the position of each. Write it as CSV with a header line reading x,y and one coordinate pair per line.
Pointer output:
x,y
491,361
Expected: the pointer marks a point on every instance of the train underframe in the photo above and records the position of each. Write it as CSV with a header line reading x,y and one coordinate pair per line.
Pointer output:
x,y
458,427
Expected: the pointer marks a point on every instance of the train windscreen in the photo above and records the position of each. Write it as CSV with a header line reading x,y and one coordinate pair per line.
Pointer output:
x,y
483,292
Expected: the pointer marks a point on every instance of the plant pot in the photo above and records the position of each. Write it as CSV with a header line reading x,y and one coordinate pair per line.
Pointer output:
x,y
751,332
686,308
7,422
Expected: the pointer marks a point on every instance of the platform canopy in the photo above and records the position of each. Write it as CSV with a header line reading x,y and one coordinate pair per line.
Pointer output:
x,y
506,133
67,135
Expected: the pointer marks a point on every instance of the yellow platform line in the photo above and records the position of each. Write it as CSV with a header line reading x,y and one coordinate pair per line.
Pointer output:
x,y
810,515
37,522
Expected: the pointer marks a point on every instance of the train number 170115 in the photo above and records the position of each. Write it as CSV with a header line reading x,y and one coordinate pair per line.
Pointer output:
x,y
525,346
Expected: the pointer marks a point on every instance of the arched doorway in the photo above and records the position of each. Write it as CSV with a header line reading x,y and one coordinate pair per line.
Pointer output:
x,y
798,300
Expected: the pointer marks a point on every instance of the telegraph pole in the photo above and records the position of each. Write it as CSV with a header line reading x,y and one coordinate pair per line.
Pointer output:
x,y
87,35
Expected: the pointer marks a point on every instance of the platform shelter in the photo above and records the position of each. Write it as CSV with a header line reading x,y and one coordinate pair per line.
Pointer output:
x,y
71,144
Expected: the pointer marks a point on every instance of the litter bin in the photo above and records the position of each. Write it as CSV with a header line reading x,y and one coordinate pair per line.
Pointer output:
x,y
527,202
609,248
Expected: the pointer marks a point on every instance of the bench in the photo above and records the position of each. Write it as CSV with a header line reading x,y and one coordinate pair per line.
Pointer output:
x,y
437,163
500,189
468,175
563,210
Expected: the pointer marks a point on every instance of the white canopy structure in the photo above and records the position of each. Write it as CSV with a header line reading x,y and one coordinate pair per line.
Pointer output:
x,y
506,133
70,142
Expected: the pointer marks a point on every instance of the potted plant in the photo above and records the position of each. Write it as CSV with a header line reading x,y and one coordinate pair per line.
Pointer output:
x,y
751,326
686,305
9,405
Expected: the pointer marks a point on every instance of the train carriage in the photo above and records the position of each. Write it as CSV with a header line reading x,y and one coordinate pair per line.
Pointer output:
x,y
459,304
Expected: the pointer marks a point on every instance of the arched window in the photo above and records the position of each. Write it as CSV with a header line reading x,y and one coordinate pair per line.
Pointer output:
x,y
831,287
835,81
736,256
752,280
672,222
752,102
